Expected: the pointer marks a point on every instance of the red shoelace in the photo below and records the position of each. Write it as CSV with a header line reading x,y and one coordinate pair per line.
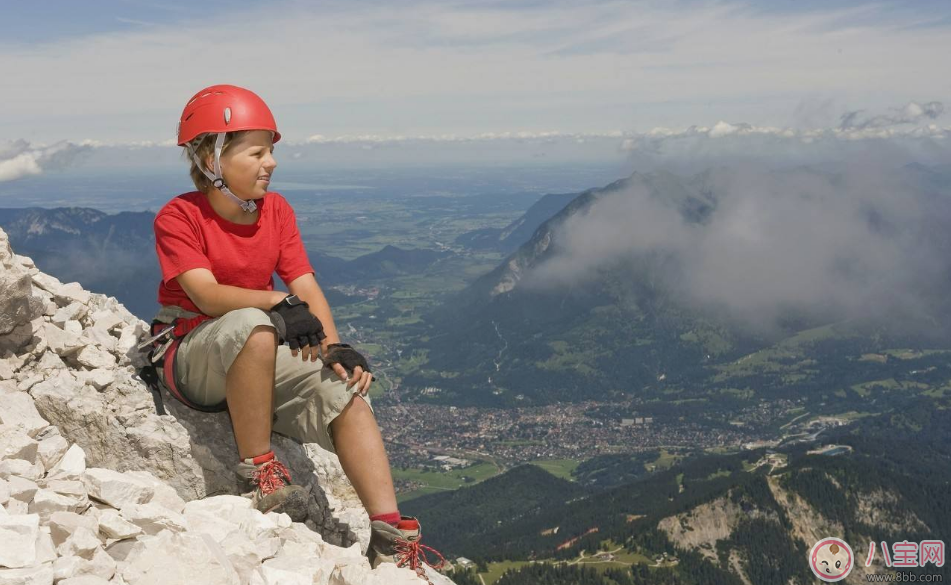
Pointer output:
x,y
413,555
269,476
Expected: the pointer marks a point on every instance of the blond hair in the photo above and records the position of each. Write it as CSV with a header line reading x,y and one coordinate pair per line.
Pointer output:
x,y
204,146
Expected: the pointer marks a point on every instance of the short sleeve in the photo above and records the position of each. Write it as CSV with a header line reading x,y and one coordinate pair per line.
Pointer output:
x,y
292,262
178,244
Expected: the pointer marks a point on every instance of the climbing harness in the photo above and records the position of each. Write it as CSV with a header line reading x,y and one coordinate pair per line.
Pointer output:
x,y
164,349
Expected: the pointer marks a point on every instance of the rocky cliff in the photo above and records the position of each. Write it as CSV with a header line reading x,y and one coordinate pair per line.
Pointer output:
x,y
97,487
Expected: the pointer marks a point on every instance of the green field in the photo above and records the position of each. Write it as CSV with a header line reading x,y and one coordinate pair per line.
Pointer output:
x,y
496,570
665,460
622,559
435,481
559,467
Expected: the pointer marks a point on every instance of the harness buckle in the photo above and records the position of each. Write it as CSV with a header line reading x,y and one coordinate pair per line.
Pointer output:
x,y
157,355
156,337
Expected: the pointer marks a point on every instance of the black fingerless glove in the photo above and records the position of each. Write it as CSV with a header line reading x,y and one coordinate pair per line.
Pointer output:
x,y
344,354
295,323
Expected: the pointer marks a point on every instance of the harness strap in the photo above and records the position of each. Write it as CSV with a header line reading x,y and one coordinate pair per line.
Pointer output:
x,y
180,328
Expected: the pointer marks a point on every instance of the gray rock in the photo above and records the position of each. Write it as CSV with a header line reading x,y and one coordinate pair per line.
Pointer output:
x,y
152,466
17,304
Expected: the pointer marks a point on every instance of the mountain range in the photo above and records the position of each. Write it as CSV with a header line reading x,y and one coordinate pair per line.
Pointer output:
x,y
746,518
628,325
115,255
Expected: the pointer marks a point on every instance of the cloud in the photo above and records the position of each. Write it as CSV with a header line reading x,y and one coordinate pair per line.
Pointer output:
x,y
19,159
908,134
859,234
516,136
910,114
430,68
857,128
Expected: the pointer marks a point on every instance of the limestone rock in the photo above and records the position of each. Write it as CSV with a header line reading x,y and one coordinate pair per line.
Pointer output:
x,y
390,574
18,411
62,524
350,575
116,489
46,502
81,543
19,468
175,558
106,320
65,487
18,535
50,361
84,580
162,493
71,312
16,305
153,518
112,525
94,357
41,575
72,464
69,293
51,450
99,378
63,343
113,489
45,550
100,337
100,565
292,571
21,489
15,507
16,444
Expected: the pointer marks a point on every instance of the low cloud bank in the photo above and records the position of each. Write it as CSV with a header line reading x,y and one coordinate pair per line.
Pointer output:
x,y
19,159
861,233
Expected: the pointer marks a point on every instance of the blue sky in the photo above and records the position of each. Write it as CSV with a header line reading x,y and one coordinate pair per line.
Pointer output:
x,y
43,22
119,71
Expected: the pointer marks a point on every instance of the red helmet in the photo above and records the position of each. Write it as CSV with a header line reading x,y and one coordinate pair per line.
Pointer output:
x,y
224,108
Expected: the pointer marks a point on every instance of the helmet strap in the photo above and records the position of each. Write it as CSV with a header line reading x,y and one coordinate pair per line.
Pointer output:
x,y
217,179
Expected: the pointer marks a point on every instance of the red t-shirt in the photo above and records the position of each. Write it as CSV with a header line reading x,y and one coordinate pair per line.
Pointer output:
x,y
190,234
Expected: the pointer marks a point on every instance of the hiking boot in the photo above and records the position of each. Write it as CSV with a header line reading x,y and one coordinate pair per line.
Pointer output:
x,y
272,490
400,544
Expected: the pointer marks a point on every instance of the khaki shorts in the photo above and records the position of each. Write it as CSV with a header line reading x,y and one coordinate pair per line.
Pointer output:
x,y
307,397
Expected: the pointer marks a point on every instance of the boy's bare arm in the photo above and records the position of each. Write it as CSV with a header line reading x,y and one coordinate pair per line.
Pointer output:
x,y
215,299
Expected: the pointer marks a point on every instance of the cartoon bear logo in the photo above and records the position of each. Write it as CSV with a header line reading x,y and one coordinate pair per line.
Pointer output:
x,y
831,559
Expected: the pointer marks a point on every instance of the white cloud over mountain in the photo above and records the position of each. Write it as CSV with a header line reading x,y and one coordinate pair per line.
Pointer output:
x,y
19,159
863,237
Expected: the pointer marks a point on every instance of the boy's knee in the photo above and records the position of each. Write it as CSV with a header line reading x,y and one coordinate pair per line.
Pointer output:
x,y
249,324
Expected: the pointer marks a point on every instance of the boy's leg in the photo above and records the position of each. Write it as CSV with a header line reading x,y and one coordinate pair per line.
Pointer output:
x,y
363,457
250,392
313,405
233,358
